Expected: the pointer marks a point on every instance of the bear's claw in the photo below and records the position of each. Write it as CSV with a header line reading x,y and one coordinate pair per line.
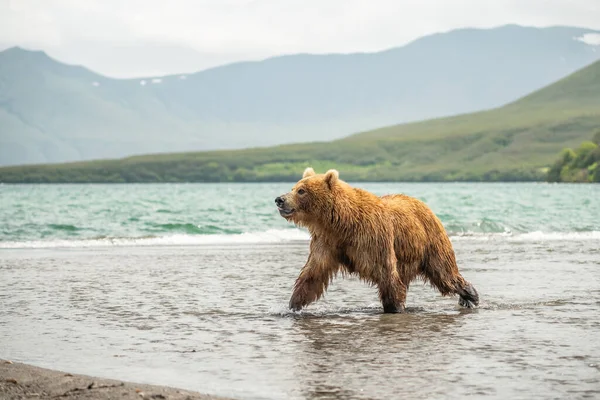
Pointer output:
x,y
466,303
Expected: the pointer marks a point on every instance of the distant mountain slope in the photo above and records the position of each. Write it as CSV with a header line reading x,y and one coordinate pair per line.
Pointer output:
x,y
518,141
52,112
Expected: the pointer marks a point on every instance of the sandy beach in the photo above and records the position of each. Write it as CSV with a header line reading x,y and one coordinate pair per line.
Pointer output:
x,y
22,381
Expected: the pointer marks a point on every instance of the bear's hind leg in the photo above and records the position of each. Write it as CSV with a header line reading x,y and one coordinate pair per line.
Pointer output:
x,y
469,297
442,272
392,293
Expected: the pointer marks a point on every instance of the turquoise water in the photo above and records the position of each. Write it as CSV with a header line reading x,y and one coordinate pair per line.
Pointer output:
x,y
94,215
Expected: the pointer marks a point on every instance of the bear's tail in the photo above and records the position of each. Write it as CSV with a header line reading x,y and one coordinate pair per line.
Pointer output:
x,y
469,297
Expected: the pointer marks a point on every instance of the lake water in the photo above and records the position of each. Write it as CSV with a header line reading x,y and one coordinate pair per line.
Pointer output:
x,y
187,285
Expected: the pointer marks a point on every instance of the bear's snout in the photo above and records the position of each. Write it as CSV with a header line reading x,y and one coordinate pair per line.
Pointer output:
x,y
279,201
285,208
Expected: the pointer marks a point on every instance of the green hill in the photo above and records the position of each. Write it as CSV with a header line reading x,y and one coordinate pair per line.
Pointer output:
x,y
518,141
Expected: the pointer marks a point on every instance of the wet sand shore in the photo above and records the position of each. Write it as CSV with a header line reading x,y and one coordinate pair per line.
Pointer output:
x,y
22,381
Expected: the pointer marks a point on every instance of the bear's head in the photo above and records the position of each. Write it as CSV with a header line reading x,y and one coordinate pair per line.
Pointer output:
x,y
311,198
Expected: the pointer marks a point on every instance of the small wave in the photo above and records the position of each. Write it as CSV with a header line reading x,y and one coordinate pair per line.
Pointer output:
x,y
360,312
189,228
556,236
276,236
184,228
269,236
165,211
64,227
483,226
501,306
327,311
537,236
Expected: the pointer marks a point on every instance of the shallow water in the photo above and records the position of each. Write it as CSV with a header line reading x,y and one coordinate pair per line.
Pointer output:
x,y
211,315
213,319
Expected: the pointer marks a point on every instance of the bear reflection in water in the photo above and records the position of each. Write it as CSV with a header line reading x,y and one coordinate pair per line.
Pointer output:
x,y
386,240
343,355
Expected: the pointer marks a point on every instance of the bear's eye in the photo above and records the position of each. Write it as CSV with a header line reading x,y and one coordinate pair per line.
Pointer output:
x,y
301,191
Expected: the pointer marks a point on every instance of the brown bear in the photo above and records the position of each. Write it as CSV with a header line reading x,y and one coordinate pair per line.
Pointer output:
x,y
387,241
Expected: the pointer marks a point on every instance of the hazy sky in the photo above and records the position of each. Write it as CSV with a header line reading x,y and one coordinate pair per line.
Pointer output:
x,y
151,37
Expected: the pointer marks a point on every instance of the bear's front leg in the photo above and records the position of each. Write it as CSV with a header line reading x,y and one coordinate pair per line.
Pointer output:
x,y
392,292
306,290
313,280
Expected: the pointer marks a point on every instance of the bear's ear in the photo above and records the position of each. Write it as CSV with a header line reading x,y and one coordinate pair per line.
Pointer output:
x,y
308,172
331,177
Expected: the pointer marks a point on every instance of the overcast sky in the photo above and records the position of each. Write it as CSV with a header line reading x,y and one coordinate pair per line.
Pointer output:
x,y
152,37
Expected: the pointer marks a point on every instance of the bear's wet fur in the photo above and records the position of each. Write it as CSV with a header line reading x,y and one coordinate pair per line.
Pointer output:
x,y
386,240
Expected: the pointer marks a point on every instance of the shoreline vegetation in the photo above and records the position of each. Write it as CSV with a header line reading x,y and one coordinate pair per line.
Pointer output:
x,y
19,381
580,165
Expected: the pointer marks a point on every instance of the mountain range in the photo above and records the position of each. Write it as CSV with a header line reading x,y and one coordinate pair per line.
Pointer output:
x,y
52,112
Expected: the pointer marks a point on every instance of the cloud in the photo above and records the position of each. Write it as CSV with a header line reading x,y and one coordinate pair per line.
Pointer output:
x,y
227,30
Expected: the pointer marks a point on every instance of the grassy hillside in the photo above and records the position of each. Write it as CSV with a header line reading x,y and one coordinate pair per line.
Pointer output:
x,y
516,142
53,112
